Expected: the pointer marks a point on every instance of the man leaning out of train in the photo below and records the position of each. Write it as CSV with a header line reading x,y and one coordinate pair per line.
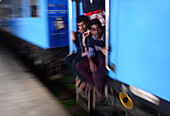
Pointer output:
x,y
71,60
93,69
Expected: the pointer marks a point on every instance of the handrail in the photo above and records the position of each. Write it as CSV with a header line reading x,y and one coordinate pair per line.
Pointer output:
x,y
70,27
107,33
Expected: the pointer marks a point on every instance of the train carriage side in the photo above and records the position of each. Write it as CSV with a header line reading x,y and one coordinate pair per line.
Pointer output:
x,y
28,21
39,28
139,40
139,36
43,23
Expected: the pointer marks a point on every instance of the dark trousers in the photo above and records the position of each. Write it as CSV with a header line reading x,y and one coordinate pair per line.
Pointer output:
x,y
71,61
97,77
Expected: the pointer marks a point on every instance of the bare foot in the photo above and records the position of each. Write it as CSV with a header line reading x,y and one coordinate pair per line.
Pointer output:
x,y
77,82
82,85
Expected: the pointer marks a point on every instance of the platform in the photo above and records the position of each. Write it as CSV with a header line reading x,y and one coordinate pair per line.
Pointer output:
x,y
21,93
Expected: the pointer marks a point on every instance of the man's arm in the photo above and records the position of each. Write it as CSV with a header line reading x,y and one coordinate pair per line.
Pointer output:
x,y
92,65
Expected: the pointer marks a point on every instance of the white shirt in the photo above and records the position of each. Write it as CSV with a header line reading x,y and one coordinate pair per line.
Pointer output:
x,y
91,1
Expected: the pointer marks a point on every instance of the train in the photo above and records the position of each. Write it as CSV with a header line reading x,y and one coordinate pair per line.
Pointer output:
x,y
38,30
138,62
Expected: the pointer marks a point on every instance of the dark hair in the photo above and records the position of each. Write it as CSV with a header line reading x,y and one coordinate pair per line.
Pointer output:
x,y
95,21
82,18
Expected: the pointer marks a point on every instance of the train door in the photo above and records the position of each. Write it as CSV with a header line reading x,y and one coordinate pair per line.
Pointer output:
x,y
75,9
58,27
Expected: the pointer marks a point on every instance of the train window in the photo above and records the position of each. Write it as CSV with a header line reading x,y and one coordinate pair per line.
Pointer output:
x,y
5,9
34,10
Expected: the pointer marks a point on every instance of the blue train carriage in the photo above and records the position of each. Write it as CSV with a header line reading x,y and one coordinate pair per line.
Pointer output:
x,y
40,27
138,33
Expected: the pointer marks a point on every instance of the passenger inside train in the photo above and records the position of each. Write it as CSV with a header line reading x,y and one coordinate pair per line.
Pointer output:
x,y
93,69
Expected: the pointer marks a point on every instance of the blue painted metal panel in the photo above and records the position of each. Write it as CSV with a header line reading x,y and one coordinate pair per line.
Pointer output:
x,y
141,44
58,32
81,8
57,4
74,19
58,23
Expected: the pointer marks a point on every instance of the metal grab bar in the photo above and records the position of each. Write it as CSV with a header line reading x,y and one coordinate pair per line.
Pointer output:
x,y
70,27
107,33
